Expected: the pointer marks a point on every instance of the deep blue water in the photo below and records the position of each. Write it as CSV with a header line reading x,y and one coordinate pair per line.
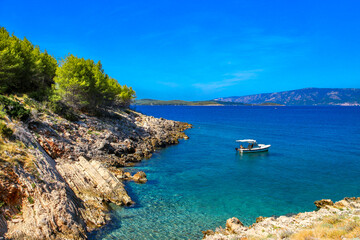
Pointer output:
x,y
199,183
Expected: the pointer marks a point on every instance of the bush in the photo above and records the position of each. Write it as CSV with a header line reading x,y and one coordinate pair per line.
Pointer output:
x,y
5,131
14,109
63,110
2,113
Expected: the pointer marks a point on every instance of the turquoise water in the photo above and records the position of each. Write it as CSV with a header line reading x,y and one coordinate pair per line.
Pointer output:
x,y
199,183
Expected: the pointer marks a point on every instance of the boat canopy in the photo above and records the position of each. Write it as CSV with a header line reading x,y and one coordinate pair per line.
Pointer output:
x,y
247,140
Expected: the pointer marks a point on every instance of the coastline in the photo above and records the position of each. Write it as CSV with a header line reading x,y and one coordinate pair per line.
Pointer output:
x,y
77,171
339,220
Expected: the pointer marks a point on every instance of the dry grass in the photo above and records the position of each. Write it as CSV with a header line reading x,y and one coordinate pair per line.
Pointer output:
x,y
331,227
16,153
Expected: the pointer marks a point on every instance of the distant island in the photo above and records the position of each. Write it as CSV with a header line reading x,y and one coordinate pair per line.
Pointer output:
x,y
306,96
196,103
300,97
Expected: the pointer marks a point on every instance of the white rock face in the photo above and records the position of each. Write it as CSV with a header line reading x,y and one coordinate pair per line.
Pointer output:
x,y
283,226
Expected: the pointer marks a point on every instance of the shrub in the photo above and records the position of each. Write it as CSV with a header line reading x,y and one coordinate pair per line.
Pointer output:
x,y
14,109
5,131
63,110
30,102
2,113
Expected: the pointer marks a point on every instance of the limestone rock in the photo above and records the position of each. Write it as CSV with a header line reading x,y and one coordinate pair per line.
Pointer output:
x,y
96,185
233,224
69,194
260,219
140,177
283,227
53,210
323,203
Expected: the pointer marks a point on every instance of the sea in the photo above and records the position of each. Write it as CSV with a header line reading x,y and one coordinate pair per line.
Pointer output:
x,y
199,183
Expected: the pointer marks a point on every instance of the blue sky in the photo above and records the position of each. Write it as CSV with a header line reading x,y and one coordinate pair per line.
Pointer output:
x,y
199,50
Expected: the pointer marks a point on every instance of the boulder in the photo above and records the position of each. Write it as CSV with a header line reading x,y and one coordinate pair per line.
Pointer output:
x,y
208,233
127,175
140,177
323,203
260,219
106,147
233,224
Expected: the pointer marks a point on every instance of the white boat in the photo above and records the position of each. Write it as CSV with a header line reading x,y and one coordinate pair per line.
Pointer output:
x,y
251,146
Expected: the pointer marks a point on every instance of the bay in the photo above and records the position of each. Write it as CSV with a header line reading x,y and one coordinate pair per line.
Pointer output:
x,y
201,182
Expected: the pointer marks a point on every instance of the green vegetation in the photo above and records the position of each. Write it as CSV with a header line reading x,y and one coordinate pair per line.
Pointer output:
x,y
198,103
82,84
5,131
13,109
63,110
186,103
16,153
175,102
24,68
75,84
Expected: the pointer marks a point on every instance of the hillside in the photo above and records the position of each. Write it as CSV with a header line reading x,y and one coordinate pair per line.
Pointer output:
x,y
58,177
175,102
306,96
189,103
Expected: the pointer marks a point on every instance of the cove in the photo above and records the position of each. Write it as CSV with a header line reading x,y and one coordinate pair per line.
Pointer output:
x,y
199,183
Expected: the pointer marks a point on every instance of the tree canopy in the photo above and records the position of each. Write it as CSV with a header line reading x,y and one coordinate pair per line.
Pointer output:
x,y
23,67
78,82
83,84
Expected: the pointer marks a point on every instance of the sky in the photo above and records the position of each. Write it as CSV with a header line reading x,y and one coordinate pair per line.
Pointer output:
x,y
201,50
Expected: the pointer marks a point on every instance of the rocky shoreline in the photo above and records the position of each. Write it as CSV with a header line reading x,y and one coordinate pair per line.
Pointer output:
x,y
73,170
58,177
339,220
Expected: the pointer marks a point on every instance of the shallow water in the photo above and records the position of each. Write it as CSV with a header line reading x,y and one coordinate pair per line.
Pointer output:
x,y
199,183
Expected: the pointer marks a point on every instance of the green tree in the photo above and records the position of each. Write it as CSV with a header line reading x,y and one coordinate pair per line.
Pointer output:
x,y
83,84
11,62
23,67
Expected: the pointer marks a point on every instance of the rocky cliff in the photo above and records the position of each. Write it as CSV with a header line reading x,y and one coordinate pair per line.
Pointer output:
x,y
57,177
340,220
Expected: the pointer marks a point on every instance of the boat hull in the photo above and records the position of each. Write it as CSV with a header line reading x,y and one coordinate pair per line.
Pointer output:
x,y
254,150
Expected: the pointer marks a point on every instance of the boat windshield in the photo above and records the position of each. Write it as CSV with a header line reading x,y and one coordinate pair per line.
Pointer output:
x,y
248,145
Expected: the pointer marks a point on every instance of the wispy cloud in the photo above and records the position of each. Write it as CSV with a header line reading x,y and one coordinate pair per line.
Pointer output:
x,y
231,79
